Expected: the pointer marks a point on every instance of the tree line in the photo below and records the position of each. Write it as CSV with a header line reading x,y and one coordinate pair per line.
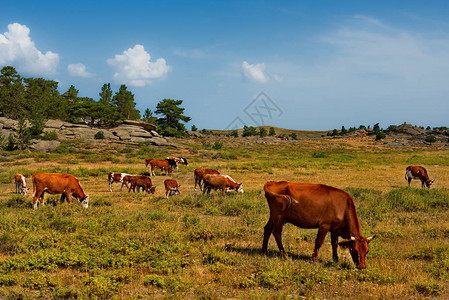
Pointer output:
x,y
38,99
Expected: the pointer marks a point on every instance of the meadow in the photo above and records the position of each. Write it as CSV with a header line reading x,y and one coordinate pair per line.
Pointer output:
x,y
138,246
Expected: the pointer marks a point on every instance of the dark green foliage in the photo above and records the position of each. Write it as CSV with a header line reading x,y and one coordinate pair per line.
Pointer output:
x,y
249,131
50,136
123,100
217,145
148,117
172,116
271,132
293,136
379,135
194,128
99,135
430,139
343,130
106,95
262,132
234,133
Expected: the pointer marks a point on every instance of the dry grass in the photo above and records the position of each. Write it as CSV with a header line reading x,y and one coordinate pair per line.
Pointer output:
x,y
192,246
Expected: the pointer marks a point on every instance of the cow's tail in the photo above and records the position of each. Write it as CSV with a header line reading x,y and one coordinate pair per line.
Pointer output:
x,y
280,198
34,185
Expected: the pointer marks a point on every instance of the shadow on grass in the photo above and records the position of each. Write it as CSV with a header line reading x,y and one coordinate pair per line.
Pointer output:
x,y
270,253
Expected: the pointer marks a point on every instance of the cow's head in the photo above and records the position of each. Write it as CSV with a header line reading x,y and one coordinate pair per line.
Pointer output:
x,y
429,183
240,189
183,161
358,247
84,202
170,170
24,190
151,190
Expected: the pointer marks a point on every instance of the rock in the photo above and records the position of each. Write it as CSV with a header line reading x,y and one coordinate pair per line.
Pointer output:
x,y
8,123
55,124
44,146
147,126
153,133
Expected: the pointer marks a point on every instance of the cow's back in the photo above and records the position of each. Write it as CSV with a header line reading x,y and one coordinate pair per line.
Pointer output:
x,y
310,204
417,171
55,182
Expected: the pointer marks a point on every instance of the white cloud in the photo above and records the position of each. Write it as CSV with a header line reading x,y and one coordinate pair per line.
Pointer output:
x,y
254,72
134,67
78,70
18,50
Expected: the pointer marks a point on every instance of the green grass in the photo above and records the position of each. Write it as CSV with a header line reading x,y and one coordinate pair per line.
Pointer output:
x,y
128,246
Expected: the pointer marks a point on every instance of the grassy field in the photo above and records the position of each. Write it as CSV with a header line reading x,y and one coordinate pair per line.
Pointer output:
x,y
129,246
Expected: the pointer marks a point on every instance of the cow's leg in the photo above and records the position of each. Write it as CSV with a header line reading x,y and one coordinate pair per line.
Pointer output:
x,y
409,181
267,230
223,191
322,231
62,198
277,232
334,243
423,184
110,185
17,187
35,197
68,194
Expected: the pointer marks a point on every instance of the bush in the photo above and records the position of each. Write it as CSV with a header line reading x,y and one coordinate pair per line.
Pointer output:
x,y
430,139
99,135
217,145
50,136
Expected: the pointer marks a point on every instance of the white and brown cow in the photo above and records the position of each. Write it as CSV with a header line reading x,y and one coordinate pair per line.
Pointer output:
x,y
21,184
178,160
117,177
171,187
219,182
418,172
141,181
56,183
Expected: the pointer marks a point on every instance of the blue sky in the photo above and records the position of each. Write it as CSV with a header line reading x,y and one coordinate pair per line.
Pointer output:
x,y
320,64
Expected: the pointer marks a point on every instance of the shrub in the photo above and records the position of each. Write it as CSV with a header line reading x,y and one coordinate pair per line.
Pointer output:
x,y
319,154
154,280
8,280
50,136
99,135
430,139
38,281
429,288
217,145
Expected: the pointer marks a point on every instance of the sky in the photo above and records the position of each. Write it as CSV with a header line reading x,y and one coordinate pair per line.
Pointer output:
x,y
306,65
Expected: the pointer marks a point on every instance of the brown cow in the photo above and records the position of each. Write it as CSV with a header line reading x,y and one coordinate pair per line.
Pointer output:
x,y
171,187
158,163
117,177
219,182
319,206
55,183
21,184
418,172
198,175
140,181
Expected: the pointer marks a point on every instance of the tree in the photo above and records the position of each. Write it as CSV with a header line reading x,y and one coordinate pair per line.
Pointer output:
x,y
343,130
172,116
249,131
42,97
148,117
430,139
271,132
235,133
262,132
194,128
106,94
124,103
23,136
72,93
95,112
12,93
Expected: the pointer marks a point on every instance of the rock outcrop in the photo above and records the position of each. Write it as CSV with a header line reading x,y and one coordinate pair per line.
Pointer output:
x,y
128,133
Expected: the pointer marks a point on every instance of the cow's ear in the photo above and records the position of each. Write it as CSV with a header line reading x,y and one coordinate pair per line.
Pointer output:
x,y
370,238
346,244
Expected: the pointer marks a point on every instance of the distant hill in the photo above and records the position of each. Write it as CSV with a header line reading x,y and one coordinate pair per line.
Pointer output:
x,y
279,131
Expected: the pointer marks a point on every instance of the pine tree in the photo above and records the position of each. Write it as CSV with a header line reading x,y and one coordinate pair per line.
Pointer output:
x,y
124,103
106,94
172,116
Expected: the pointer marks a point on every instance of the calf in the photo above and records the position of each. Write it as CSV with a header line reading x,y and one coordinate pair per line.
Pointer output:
x,y
319,206
161,164
143,182
218,182
21,184
55,183
198,175
418,172
172,163
171,187
117,177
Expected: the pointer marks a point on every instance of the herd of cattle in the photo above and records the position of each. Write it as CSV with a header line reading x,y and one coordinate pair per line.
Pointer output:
x,y
302,204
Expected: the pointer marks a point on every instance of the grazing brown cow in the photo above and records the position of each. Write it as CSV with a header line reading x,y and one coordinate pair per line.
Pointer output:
x,y
55,183
140,181
198,175
21,184
158,163
219,182
319,206
418,172
117,177
171,187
